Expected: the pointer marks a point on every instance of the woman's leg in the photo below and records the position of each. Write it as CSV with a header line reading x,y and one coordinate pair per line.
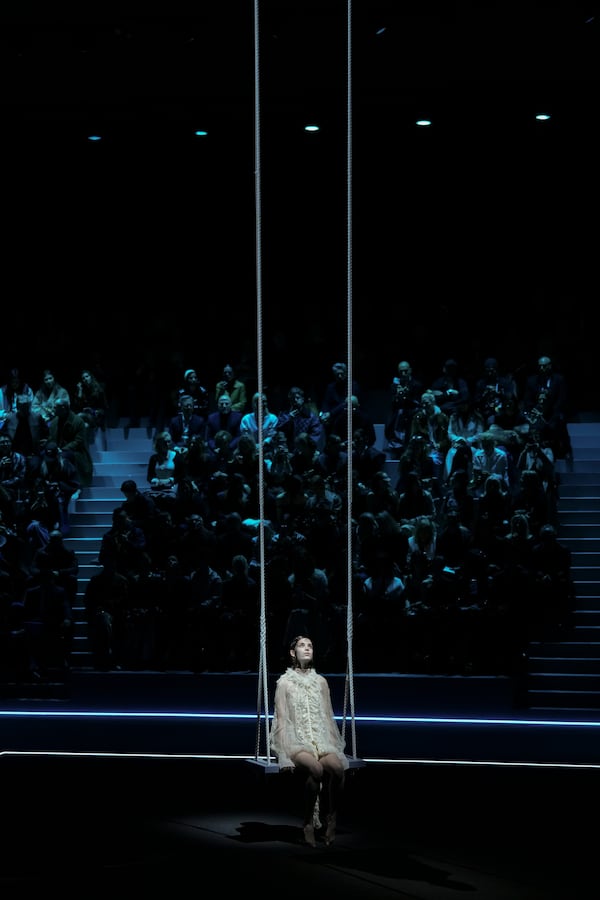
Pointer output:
x,y
312,770
335,778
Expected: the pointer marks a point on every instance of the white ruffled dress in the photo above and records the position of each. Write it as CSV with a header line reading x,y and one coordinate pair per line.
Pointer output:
x,y
303,718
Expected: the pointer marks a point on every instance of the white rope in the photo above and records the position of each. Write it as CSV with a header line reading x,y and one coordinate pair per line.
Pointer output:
x,y
262,662
263,698
349,692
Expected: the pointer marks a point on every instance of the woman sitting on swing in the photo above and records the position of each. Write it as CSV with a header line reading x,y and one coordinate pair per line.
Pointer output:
x,y
305,738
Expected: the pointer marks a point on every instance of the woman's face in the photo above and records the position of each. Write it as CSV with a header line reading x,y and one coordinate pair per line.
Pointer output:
x,y
303,651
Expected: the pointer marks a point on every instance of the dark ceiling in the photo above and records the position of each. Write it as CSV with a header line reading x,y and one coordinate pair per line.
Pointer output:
x,y
484,204
186,62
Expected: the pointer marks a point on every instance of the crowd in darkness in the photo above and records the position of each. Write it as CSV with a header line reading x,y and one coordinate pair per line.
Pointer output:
x,y
455,561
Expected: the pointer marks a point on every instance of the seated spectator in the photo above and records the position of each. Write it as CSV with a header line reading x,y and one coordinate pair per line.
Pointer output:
x,y
56,486
332,463
222,451
405,399
290,504
450,388
186,425
13,478
224,419
192,388
249,422
62,562
492,515
336,392
338,422
415,501
234,495
539,457
458,457
545,406
454,542
124,549
466,422
238,616
489,459
233,386
516,557
106,603
491,392
380,618
304,456
382,495
91,402
530,500
47,620
458,499
198,466
366,458
48,393
196,542
15,387
28,433
299,418
165,468
140,507
68,430
554,589
231,539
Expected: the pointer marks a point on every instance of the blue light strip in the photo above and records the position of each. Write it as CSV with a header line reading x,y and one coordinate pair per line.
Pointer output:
x,y
385,720
93,754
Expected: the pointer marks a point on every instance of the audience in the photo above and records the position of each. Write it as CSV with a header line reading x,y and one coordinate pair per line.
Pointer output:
x,y
459,554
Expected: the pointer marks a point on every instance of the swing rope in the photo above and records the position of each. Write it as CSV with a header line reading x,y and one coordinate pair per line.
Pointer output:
x,y
263,694
262,702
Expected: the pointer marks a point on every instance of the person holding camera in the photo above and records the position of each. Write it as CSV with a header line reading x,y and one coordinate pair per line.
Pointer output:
x,y
405,391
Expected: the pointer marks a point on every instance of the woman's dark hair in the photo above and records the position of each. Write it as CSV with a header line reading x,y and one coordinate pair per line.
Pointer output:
x,y
299,637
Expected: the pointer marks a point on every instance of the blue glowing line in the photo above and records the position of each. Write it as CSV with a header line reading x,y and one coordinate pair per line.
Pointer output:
x,y
385,720
273,768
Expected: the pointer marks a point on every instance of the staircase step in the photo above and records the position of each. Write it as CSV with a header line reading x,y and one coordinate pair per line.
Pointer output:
x,y
101,492
124,456
81,532
587,423
586,589
135,442
126,469
585,573
569,505
587,632
569,649
586,617
576,479
580,545
85,546
586,450
571,665
573,517
564,682
586,466
566,700
584,441
114,481
92,512
586,530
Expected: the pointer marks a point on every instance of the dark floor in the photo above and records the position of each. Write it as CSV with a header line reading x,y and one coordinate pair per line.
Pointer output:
x,y
116,789
121,828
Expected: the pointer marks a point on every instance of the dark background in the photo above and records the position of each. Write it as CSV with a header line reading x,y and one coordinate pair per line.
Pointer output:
x,y
157,249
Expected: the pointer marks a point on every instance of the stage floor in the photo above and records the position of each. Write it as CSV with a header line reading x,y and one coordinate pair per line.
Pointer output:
x,y
170,827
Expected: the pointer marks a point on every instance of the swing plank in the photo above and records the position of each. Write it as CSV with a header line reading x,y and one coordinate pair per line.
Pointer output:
x,y
272,768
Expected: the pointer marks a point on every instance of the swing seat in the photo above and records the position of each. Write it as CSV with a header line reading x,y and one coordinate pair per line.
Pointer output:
x,y
270,767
